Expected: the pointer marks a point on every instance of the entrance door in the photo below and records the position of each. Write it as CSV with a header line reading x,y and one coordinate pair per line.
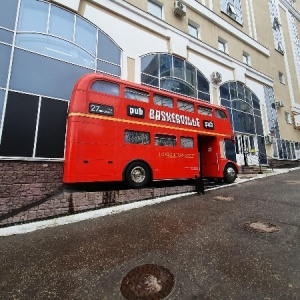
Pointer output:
x,y
245,150
208,148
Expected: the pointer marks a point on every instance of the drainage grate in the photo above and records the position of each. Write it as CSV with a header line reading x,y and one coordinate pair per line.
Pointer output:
x,y
261,227
147,282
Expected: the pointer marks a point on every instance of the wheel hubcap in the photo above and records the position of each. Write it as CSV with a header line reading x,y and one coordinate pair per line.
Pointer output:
x,y
138,174
231,172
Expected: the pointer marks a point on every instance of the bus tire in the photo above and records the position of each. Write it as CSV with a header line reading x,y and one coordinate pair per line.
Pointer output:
x,y
137,175
230,173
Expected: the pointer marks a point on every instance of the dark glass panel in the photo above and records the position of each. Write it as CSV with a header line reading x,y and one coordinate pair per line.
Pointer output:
x,y
177,86
259,126
255,102
2,94
107,49
8,13
4,64
19,125
225,103
243,122
150,64
105,67
230,150
149,80
224,91
257,112
262,150
51,130
190,74
240,91
233,90
203,84
248,97
41,75
6,36
165,65
178,67
203,96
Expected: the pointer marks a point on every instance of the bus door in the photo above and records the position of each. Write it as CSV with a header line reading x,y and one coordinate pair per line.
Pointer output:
x,y
208,148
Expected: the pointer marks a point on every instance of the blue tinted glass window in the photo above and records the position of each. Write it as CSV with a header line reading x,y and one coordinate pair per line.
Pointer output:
x,y
259,126
233,90
4,63
255,102
86,35
190,74
203,84
203,96
61,23
240,91
230,150
225,103
56,48
177,86
107,49
108,68
33,10
2,94
178,67
150,64
165,65
224,92
47,76
149,80
8,13
6,36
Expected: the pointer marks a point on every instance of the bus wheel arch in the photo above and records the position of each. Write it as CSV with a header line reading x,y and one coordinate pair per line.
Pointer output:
x,y
230,173
137,174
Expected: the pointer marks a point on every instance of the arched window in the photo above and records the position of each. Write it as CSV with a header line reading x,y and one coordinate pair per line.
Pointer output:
x,y
172,73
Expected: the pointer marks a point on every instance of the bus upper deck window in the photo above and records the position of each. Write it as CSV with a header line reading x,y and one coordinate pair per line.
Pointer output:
x,y
163,101
136,95
203,110
186,142
220,114
186,106
106,87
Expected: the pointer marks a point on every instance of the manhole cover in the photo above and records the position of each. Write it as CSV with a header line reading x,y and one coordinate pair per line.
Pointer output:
x,y
223,198
147,282
261,227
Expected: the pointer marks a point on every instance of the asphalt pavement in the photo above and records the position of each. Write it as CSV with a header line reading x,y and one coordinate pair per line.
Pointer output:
x,y
240,241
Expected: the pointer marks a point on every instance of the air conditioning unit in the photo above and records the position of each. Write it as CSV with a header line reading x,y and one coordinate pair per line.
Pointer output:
x,y
270,139
179,9
279,104
216,77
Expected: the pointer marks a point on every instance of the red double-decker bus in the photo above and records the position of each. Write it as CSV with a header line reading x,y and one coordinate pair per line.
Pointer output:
x,y
121,131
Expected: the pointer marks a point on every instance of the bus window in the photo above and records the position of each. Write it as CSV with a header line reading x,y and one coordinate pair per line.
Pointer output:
x,y
186,106
136,95
136,137
165,140
220,114
163,101
206,111
106,87
186,142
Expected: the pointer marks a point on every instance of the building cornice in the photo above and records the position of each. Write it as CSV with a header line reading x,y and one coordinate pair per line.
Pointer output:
x,y
291,9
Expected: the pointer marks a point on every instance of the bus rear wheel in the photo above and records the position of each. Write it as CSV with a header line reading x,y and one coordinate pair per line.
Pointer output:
x,y
137,175
230,173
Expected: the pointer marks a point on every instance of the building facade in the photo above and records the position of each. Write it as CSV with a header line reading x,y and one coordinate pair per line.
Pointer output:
x,y
242,54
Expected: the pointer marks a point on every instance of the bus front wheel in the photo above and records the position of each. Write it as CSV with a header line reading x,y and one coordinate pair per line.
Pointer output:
x,y
230,173
137,175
